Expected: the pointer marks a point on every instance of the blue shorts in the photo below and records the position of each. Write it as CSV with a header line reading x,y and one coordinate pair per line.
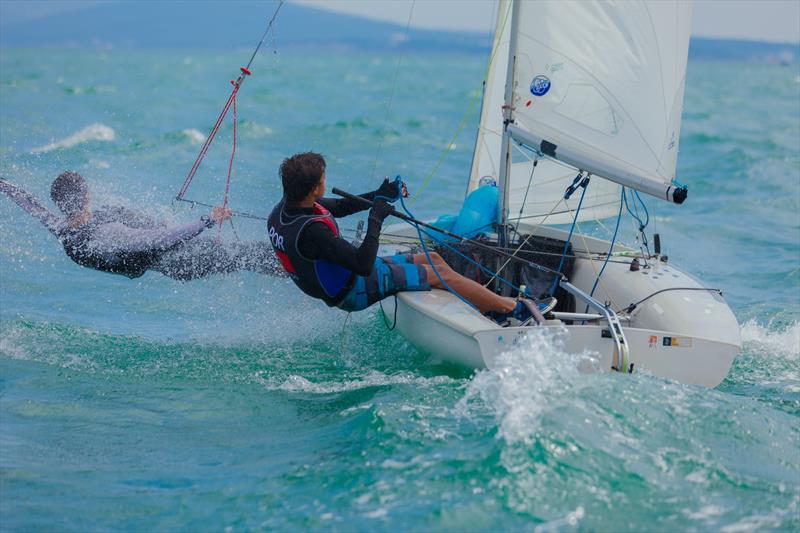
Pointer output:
x,y
389,276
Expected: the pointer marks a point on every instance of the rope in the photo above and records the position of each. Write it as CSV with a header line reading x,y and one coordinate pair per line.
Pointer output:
x,y
610,249
230,168
527,190
428,257
585,186
241,214
483,268
245,71
633,306
391,94
386,322
531,234
206,145
264,36
642,225
466,115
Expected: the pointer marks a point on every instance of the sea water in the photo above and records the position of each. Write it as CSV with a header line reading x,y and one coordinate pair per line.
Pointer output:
x,y
236,403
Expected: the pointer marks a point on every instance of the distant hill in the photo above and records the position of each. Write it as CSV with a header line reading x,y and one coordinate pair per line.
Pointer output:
x,y
748,51
214,24
237,23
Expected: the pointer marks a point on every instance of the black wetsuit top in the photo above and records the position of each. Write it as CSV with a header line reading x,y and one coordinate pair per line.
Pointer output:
x,y
308,243
317,241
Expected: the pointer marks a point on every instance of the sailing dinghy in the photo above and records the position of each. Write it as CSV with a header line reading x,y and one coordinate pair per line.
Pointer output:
x,y
581,112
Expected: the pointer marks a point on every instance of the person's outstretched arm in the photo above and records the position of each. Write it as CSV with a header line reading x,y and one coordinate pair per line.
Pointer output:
x,y
115,237
34,207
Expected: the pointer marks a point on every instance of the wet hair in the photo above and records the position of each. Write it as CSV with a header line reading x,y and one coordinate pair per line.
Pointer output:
x,y
300,174
68,192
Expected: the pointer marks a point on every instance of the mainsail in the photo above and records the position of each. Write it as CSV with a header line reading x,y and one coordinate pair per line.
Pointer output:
x,y
533,195
599,85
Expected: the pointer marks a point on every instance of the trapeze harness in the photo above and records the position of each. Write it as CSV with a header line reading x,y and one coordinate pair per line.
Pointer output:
x,y
320,279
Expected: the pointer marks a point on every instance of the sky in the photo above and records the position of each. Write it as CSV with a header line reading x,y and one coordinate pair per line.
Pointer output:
x,y
759,20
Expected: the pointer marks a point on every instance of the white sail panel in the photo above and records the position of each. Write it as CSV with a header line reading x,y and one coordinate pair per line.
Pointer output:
x,y
544,200
486,158
550,178
604,82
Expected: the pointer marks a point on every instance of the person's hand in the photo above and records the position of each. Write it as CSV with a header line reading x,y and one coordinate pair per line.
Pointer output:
x,y
380,210
390,190
220,214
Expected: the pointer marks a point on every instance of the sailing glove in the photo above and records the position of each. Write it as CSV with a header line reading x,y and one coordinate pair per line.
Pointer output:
x,y
390,190
380,210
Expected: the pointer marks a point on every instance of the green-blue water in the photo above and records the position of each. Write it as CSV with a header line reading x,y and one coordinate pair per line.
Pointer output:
x,y
236,403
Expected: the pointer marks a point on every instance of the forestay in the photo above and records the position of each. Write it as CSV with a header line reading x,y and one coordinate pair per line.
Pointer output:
x,y
599,85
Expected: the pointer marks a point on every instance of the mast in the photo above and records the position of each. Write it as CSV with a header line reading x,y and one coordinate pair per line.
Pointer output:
x,y
508,118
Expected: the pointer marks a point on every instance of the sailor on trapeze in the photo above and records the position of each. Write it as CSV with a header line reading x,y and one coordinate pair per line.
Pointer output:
x,y
121,241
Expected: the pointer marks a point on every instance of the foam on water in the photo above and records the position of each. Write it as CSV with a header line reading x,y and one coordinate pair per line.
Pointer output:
x,y
784,341
295,383
92,132
195,136
528,380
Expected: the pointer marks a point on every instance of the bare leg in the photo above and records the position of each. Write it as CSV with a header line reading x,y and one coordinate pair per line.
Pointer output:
x,y
481,297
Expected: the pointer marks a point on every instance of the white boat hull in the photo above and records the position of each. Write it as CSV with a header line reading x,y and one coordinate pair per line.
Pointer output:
x,y
684,333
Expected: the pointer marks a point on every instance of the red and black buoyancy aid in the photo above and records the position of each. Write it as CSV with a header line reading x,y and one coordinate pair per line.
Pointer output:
x,y
317,278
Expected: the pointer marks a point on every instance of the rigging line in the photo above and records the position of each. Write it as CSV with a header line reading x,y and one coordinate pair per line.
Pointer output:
x,y
230,168
531,234
644,244
240,214
206,145
633,306
644,206
446,150
430,261
527,190
591,260
245,71
474,262
383,313
269,26
555,213
610,250
391,94
584,183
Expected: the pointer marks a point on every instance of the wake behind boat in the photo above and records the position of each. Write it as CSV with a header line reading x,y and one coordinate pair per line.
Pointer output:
x,y
581,112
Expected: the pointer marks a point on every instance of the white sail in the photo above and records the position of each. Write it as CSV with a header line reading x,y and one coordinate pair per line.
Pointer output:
x,y
550,178
599,85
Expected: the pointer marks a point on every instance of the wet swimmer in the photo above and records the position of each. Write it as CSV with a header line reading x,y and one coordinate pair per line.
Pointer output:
x,y
306,239
122,241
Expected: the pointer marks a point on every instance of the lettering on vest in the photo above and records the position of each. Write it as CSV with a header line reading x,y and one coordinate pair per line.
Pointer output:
x,y
276,239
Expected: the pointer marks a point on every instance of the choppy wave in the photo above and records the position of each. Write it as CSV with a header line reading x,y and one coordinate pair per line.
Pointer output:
x,y
93,132
254,130
195,136
295,383
784,341
527,381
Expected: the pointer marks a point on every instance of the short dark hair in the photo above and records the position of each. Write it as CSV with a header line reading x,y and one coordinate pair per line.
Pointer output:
x,y
68,192
300,174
